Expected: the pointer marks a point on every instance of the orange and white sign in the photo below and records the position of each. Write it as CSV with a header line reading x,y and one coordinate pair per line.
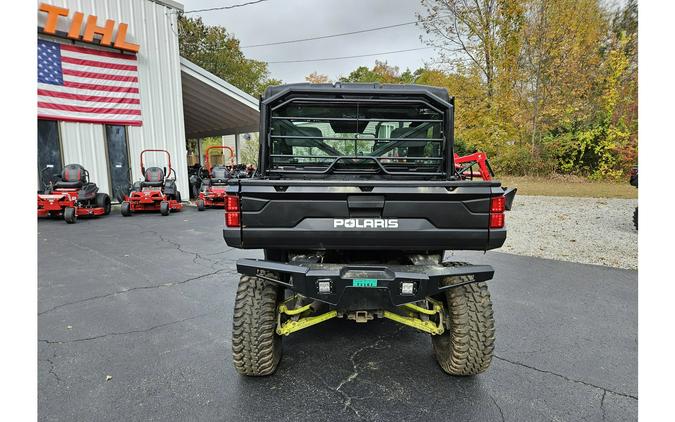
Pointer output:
x,y
109,37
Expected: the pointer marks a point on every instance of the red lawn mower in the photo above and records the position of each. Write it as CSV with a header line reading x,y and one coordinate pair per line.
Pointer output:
x,y
157,192
72,195
464,166
212,191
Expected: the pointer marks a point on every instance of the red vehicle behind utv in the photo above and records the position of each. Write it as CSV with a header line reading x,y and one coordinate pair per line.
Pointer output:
x,y
212,192
157,192
72,195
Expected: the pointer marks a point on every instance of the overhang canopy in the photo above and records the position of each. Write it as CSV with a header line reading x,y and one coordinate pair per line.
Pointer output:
x,y
213,107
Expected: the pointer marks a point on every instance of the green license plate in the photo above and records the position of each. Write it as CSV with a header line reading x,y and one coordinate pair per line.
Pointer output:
x,y
364,282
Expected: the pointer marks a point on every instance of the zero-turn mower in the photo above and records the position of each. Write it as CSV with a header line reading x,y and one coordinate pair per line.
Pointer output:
x,y
72,195
157,192
212,191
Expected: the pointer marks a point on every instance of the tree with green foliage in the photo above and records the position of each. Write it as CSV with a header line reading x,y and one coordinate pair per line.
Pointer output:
x,y
540,85
249,150
317,78
217,51
381,72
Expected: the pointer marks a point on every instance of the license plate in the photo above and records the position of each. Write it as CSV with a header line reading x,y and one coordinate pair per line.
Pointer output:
x,y
364,282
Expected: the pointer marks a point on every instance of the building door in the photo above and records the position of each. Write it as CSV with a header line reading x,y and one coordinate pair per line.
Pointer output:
x,y
118,161
49,151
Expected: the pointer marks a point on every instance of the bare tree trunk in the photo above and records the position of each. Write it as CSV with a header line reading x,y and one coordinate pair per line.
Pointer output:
x,y
535,112
537,79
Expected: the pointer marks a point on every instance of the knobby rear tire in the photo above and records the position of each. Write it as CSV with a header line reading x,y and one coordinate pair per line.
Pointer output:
x,y
466,348
256,347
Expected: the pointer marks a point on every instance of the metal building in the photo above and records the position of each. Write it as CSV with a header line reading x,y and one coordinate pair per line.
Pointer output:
x,y
178,99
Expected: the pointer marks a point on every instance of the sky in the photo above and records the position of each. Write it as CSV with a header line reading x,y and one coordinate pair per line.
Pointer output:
x,y
281,20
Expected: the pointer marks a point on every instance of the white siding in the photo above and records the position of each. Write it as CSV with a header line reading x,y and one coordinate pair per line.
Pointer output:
x,y
84,143
228,140
152,26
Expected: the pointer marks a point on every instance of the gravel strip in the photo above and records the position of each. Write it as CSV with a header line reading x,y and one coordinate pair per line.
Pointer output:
x,y
587,230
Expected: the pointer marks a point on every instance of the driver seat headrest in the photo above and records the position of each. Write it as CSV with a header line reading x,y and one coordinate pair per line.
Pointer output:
x,y
154,174
73,173
73,176
154,177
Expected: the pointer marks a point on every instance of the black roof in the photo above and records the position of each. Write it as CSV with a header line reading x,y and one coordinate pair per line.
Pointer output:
x,y
358,88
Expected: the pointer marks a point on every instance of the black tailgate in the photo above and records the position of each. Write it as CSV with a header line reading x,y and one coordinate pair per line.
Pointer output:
x,y
333,214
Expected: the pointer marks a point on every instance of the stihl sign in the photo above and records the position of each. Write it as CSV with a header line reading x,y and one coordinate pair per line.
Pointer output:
x,y
91,28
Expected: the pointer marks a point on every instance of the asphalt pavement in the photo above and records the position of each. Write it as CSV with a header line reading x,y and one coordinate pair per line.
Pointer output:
x,y
135,317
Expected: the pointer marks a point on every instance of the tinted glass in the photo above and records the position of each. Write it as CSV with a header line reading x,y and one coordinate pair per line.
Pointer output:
x,y
49,151
316,134
118,160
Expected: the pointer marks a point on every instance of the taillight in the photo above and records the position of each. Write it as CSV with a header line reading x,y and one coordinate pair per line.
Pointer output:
x,y
497,204
231,203
497,221
232,214
497,207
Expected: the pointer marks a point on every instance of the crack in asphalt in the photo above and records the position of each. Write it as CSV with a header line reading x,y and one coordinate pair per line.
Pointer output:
x,y
588,384
220,253
602,404
132,289
179,247
501,412
52,370
347,399
145,330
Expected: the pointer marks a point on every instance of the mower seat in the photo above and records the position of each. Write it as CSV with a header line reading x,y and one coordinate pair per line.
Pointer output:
x,y
219,175
72,177
154,178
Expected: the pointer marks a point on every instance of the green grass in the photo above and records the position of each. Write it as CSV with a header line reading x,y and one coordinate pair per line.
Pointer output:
x,y
569,186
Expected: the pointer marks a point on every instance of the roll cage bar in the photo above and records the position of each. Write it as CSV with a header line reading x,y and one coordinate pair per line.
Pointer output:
x,y
167,174
207,161
367,94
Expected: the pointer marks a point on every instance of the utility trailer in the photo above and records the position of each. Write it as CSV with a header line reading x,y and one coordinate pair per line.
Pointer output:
x,y
356,198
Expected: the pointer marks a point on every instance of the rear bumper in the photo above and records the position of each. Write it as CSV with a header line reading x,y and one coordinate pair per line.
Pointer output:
x,y
386,289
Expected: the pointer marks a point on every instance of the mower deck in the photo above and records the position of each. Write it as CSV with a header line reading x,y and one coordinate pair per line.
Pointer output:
x,y
150,201
214,197
55,204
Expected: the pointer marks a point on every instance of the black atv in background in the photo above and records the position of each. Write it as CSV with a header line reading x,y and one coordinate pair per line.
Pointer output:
x,y
354,202
634,182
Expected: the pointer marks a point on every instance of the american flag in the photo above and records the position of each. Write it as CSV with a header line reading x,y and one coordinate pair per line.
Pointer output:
x,y
86,85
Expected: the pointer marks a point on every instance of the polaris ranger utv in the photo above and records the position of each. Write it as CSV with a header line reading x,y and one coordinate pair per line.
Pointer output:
x,y
354,202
